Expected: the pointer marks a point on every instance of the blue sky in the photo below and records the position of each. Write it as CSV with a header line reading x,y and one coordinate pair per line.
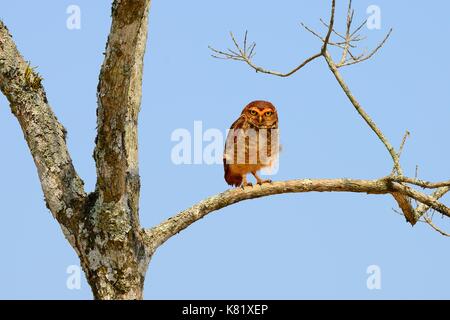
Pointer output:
x,y
283,247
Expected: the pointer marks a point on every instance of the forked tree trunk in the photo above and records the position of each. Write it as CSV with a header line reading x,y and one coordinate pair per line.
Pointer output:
x,y
103,227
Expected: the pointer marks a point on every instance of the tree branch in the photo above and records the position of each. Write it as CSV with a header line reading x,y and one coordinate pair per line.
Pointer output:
x,y
242,55
46,137
420,183
119,99
159,234
350,14
340,44
330,28
365,57
423,208
402,201
436,228
363,113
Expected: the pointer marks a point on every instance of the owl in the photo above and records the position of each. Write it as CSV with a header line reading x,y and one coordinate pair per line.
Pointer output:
x,y
252,144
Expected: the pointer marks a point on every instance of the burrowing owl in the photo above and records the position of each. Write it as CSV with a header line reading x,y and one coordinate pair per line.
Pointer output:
x,y
252,143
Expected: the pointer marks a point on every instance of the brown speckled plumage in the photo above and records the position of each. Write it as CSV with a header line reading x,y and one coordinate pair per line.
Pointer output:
x,y
250,143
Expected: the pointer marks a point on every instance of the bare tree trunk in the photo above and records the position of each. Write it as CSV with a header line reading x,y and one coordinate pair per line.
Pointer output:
x,y
117,258
103,227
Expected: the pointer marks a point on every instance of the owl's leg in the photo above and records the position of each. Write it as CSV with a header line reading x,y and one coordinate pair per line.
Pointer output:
x,y
244,182
259,180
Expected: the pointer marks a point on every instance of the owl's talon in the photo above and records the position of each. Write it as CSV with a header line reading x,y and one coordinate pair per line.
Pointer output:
x,y
247,184
264,181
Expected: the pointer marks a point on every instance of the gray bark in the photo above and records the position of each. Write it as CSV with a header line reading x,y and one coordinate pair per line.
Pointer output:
x,y
103,227
117,256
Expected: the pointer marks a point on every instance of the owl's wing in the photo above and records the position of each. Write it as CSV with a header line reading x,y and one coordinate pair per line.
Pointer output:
x,y
231,137
229,151
239,123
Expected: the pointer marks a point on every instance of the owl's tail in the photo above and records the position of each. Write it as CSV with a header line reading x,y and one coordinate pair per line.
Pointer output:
x,y
232,179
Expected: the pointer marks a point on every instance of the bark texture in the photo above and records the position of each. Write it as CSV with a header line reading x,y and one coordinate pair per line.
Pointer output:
x,y
117,257
103,227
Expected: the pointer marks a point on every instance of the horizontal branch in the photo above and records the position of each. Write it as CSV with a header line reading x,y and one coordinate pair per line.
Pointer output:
x,y
159,234
46,137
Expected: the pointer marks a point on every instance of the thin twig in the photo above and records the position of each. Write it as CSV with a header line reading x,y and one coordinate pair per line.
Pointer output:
x,y
359,28
370,55
419,183
162,232
330,28
402,145
350,14
241,55
336,44
423,208
400,150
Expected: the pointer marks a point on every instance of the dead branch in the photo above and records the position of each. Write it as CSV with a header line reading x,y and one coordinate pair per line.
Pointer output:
x,y
423,208
420,183
241,55
330,29
429,221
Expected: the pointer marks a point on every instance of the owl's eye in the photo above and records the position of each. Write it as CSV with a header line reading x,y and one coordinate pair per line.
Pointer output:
x,y
253,112
268,113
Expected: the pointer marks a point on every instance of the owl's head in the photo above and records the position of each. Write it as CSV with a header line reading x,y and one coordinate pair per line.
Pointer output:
x,y
261,114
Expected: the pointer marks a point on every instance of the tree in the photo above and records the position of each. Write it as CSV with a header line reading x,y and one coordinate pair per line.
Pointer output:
x,y
103,226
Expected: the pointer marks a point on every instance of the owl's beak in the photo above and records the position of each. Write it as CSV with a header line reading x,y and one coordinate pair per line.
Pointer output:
x,y
260,119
